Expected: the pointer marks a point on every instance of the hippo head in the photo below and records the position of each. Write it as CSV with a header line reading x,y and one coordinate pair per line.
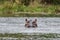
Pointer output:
x,y
30,22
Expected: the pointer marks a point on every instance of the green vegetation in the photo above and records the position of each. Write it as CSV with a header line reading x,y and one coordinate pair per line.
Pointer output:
x,y
29,15
19,35
9,7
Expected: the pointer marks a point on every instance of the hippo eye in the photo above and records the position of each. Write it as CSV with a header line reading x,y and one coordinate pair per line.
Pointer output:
x,y
35,19
25,19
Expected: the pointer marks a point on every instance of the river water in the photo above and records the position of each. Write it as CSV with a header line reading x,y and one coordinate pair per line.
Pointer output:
x,y
16,25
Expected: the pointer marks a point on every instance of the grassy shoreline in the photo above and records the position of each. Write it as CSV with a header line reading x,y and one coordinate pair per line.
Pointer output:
x,y
19,35
7,9
30,15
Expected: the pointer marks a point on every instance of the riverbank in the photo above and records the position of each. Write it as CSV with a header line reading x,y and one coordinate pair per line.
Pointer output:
x,y
41,35
29,14
9,38
8,9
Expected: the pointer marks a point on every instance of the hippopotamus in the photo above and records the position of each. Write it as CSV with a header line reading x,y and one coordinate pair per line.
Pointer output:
x,y
34,23
30,23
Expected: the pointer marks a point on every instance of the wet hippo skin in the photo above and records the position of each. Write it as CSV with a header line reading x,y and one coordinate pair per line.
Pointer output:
x,y
31,23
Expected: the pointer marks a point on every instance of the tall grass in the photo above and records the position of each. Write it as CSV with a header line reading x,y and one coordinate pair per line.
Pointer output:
x,y
8,8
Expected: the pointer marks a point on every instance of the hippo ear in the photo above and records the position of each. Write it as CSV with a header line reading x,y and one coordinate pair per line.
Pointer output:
x,y
35,19
25,19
